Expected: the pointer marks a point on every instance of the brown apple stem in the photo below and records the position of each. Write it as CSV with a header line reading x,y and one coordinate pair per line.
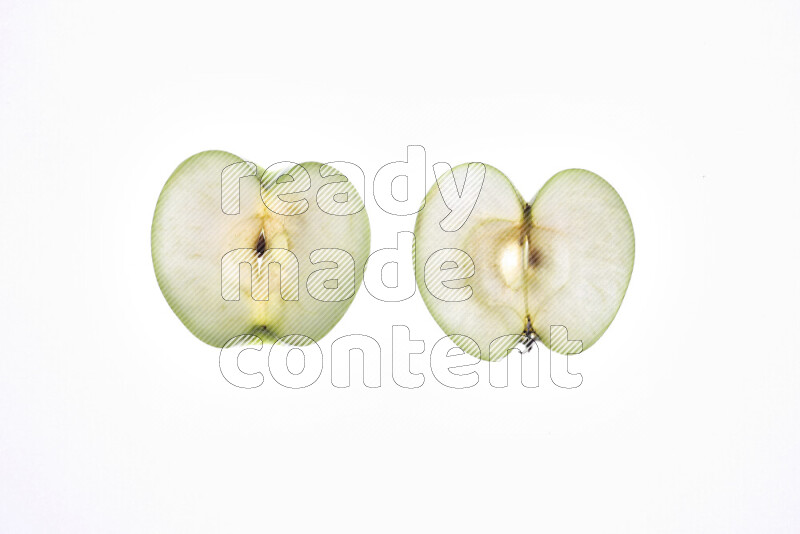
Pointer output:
x,y
529,333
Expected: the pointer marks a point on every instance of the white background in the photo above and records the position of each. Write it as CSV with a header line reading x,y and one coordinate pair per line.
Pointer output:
x,y
114,418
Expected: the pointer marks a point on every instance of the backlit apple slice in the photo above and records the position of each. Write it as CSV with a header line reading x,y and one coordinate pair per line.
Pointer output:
x,y
513,270
582,250
238,250
484,251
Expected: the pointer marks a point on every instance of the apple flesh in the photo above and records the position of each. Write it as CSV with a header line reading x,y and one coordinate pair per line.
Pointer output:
x,y
264,254
563,259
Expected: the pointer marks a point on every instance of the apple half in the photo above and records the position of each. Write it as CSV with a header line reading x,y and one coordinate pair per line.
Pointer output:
x,y
507,271
240,250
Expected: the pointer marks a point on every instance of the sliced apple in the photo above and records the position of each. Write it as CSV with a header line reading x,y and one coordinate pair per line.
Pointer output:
x,y
239,250
490,238
564,259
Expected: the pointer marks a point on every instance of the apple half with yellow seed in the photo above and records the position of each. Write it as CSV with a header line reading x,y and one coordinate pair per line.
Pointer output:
x,y
496,271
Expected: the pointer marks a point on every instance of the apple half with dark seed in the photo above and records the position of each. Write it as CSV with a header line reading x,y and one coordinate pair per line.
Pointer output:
x,y
240,250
